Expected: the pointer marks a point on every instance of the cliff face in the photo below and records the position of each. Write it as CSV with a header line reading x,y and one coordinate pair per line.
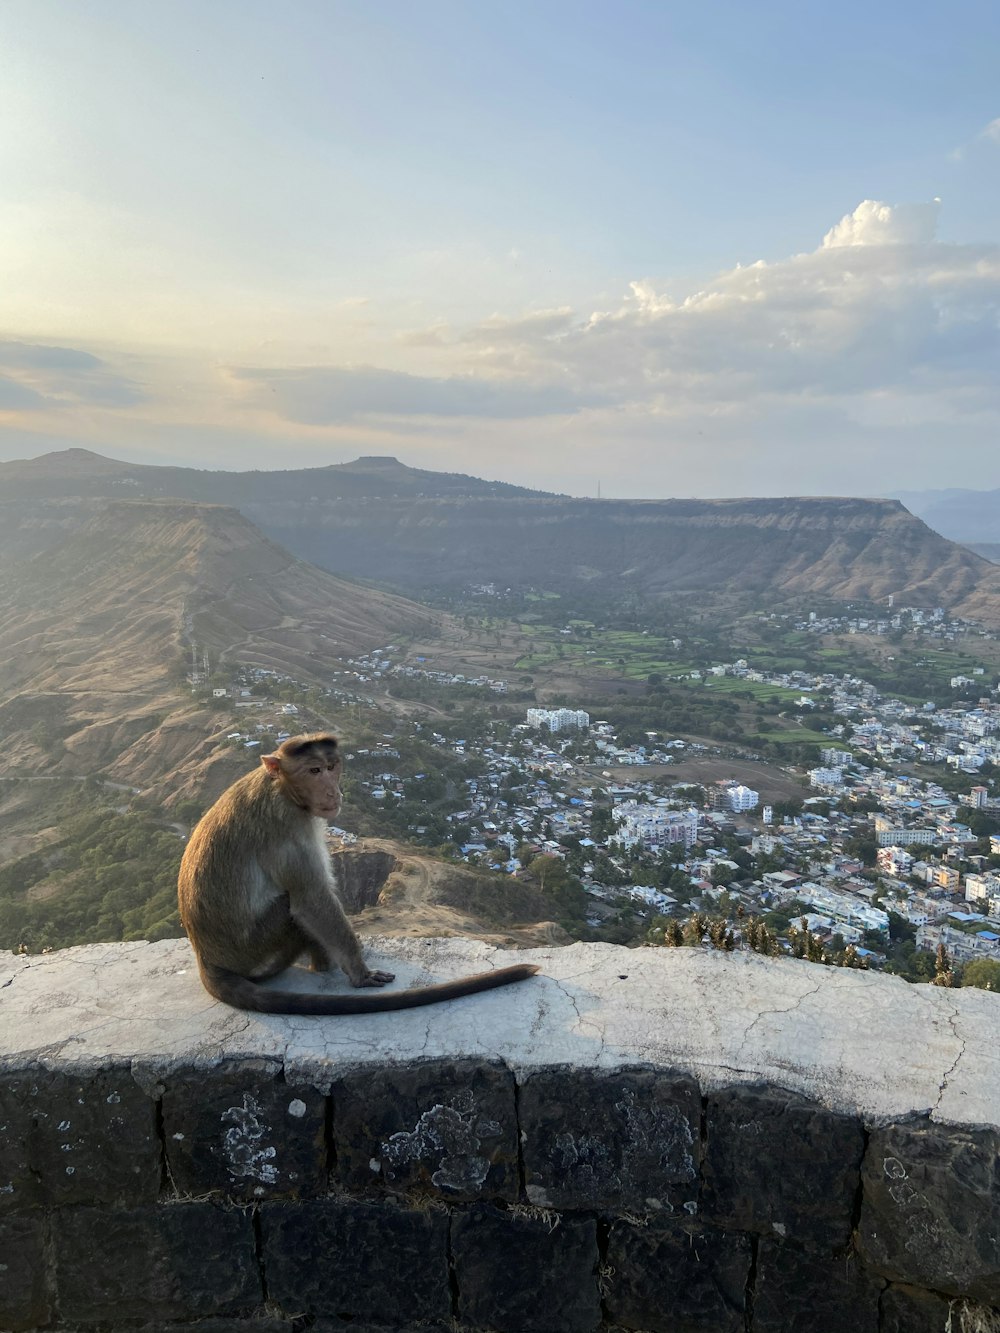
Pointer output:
x,y
377,519
842,548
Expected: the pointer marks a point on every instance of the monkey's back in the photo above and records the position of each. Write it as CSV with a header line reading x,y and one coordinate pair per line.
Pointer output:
x,y
228,871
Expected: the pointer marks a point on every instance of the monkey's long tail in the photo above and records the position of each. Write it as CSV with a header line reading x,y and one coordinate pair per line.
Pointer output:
x,y
242,993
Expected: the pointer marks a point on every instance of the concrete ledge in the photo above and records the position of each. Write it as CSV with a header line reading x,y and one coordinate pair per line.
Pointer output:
x,y
854,1042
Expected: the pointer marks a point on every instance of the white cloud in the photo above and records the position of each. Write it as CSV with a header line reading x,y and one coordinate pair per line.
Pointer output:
x,y
874,223
879,310
992,131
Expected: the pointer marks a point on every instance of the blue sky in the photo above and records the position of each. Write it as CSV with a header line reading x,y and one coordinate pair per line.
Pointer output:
x,y
671,249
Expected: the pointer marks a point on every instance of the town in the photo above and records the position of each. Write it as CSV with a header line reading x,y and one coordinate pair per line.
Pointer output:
x,y
869,857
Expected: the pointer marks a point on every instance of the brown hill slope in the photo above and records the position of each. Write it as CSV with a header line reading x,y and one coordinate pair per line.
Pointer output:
x,y
377,519
94,634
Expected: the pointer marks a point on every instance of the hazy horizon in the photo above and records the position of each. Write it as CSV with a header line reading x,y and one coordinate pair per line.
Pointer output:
x,y
707,251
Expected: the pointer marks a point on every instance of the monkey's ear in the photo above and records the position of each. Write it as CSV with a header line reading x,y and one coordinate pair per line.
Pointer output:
x,y
272,763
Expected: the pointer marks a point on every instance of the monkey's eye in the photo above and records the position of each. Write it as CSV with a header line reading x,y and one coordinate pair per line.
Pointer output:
x,y
315,770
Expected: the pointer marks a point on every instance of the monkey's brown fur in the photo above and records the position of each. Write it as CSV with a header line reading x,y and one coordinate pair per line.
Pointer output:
x,y
256,891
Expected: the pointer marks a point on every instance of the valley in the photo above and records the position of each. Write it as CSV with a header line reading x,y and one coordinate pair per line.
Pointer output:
x,y
154,647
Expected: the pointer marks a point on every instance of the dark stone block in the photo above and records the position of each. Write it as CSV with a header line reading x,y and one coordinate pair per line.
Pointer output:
x,y
20,1187
179,1261
610,1141
251,1324
240,1129
522,1275
931,1209
780,1165
910,1310
448,1127
677,1279
23,1298
374,1262
800,1292
339,1326
87,1140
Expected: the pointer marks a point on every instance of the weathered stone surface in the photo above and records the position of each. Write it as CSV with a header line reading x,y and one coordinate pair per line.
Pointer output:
x,y
780,1165
931,1209
517,1274
448,1127
178,1261
840,1037
677,1278
252,1323
338,1326
374,1262
88,1139
23,1296
603,1141
244,1131
910,1310
20,1187
801,1292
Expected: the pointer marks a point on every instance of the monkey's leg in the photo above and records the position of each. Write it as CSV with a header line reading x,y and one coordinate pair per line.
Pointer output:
x,y
317,912
280,941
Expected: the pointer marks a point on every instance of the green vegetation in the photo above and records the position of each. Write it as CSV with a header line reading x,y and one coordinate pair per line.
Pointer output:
x,y
110,876
717,932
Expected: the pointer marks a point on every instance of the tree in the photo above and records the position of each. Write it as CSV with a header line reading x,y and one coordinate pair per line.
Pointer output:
x,y
983,973
943,974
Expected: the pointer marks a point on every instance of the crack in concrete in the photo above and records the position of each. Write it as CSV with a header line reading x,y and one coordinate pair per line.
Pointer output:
x,y
953,1024
583,1024
767,1013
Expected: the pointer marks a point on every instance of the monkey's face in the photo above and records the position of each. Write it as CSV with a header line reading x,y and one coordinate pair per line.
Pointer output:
x,y
310,779
318,784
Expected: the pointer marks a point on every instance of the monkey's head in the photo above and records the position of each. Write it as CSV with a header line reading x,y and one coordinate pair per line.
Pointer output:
x,y
308,769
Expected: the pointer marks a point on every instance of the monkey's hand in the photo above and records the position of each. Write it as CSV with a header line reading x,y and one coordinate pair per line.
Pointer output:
x,y
370,978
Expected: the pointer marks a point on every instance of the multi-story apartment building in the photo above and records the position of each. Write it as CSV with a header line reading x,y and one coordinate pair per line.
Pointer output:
x,y
826,777
980,888
833,758
743,798
945,877
894,861
655,826
558,719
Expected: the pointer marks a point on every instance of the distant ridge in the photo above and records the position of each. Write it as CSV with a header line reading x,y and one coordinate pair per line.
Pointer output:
x,y
375,518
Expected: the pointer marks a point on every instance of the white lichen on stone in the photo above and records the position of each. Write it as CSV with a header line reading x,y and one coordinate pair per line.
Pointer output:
x,y
242,1144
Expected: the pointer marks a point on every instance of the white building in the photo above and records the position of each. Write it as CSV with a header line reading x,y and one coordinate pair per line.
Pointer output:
x,y
558,719
836,758
844,908
981,888
655,826
826,777
903,837
894,861
742,798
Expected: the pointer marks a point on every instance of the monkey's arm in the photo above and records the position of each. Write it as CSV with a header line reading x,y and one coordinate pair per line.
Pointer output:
x,y
317,911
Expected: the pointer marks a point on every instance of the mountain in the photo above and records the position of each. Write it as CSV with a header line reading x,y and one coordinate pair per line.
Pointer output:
x,y
967,516
95,634
416,531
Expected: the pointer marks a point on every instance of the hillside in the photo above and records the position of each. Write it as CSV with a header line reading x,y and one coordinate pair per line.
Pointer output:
x,y
414,530
95,633
780,548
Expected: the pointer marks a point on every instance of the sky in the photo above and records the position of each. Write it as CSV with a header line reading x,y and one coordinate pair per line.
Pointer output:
x,y
628,249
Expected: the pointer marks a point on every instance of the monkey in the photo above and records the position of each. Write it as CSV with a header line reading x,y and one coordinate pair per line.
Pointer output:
x,y
256,891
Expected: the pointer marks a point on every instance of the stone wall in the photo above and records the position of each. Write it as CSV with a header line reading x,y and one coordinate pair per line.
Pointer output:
x,y
398,1190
